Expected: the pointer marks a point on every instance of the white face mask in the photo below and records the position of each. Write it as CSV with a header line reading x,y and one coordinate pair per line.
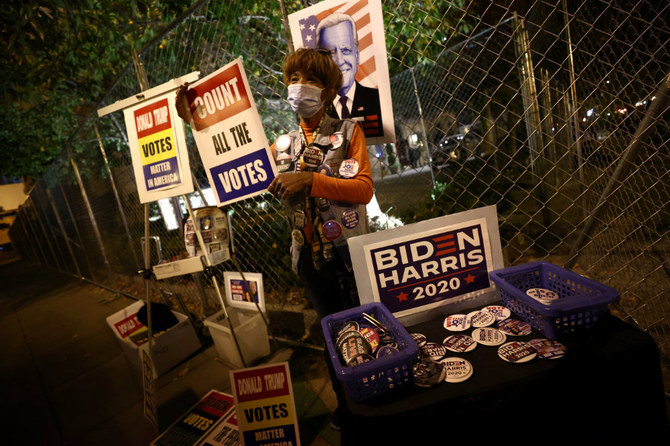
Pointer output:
x,y
305,99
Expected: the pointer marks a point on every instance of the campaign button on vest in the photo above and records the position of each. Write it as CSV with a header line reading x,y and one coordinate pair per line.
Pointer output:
x,y
350,218
332,229
349,168
283,142
336,139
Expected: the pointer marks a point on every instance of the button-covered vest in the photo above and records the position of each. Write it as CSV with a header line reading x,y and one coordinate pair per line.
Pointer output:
x,y
334,222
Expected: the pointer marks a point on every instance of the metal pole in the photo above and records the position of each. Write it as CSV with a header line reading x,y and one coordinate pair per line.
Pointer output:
x,y
52,241
656,109
287,30
574,107
89,209
423,126
116,194
62,230
44,232
76,230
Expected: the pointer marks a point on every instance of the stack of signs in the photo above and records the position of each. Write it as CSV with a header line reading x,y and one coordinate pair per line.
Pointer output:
x,y
196,424
229,135
158,148
265,406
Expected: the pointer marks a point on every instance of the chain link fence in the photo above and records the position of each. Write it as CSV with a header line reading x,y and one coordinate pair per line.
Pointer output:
x,y
554,111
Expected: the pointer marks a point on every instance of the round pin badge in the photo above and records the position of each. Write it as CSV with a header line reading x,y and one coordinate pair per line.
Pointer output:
x,y
283,143
500,312
349,325
387,350
372,337
515,327
332,230
359,359
517,352
459,343
456,370
350,219
283,162
433,351
352,344
542,295
456,322
488,336
548,348
298,237
419,338
480,319
324,169
427,373
336,139
324,204
299,219
312,156
349,168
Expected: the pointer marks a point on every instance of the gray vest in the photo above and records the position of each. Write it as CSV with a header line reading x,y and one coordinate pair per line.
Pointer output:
x,y
340,220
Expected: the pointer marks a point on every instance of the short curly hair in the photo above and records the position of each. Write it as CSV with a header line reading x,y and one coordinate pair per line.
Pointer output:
x,y
318,63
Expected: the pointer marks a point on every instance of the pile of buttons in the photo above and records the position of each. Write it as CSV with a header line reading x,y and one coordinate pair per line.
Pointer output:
x,y
490,326
358,343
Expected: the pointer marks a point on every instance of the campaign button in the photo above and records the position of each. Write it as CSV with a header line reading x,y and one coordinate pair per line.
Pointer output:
x,y
387,350
548,348
456,322
324,169
332,230
427,373
349,325
283,162
500,312
459,343
372,337
515,327
517,352
359,359
299,219
419,338
324,204
456,370
336,139
298,237
349,168
433,351
542,295
480,319
352,344
488,336
283,143
350,219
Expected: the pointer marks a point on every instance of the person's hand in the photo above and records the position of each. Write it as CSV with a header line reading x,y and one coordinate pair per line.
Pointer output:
x,y
181,103
286,184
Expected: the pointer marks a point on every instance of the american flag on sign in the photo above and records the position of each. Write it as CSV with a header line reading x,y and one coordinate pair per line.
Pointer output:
x,y
359,11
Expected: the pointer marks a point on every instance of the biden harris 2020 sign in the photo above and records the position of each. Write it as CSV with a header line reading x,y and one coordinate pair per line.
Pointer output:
x,y
228,132
417,269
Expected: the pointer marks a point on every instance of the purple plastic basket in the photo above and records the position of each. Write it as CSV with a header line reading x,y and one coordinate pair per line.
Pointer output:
x,y
380,375
580,304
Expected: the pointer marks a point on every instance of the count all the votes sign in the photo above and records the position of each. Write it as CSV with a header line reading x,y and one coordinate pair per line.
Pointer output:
x,y
266,412
158,149
229,135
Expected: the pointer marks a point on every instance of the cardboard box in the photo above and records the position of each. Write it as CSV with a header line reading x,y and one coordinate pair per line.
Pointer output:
x,y
250,332
168,349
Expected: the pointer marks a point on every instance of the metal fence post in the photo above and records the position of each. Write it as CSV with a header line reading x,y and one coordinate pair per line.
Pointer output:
x,y
76,230
423,126
62,230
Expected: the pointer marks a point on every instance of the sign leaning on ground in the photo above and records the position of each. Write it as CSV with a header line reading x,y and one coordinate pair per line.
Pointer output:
x,y
229,135
419,268
266,412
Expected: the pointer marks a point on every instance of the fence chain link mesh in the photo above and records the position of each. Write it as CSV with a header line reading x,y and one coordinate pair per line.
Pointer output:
x,y
553,111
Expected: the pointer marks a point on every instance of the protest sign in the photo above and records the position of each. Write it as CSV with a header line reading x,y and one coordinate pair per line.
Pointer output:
x,y
158,148
229,135
421,267
265,407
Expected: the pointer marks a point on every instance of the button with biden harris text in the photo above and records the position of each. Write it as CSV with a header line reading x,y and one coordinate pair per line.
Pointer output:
x,y
515,327
480,319
459,343
517,352
456,370
312,157
488,336
348,168
542,295
433,351
500,312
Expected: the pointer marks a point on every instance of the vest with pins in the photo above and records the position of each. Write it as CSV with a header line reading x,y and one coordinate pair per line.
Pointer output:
x,y
332,222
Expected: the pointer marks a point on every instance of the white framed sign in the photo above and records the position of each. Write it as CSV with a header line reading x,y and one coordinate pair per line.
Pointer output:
x,y
157,145
229,134
417,269
241,296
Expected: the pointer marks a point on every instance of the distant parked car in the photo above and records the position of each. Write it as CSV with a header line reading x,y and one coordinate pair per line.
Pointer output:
x,y
458,148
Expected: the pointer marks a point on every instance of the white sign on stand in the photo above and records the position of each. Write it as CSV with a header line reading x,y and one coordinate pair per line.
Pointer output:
x,y
244,291
431,266
229,135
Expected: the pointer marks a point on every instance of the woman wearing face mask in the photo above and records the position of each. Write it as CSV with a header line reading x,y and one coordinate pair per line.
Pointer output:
x,y
325,182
